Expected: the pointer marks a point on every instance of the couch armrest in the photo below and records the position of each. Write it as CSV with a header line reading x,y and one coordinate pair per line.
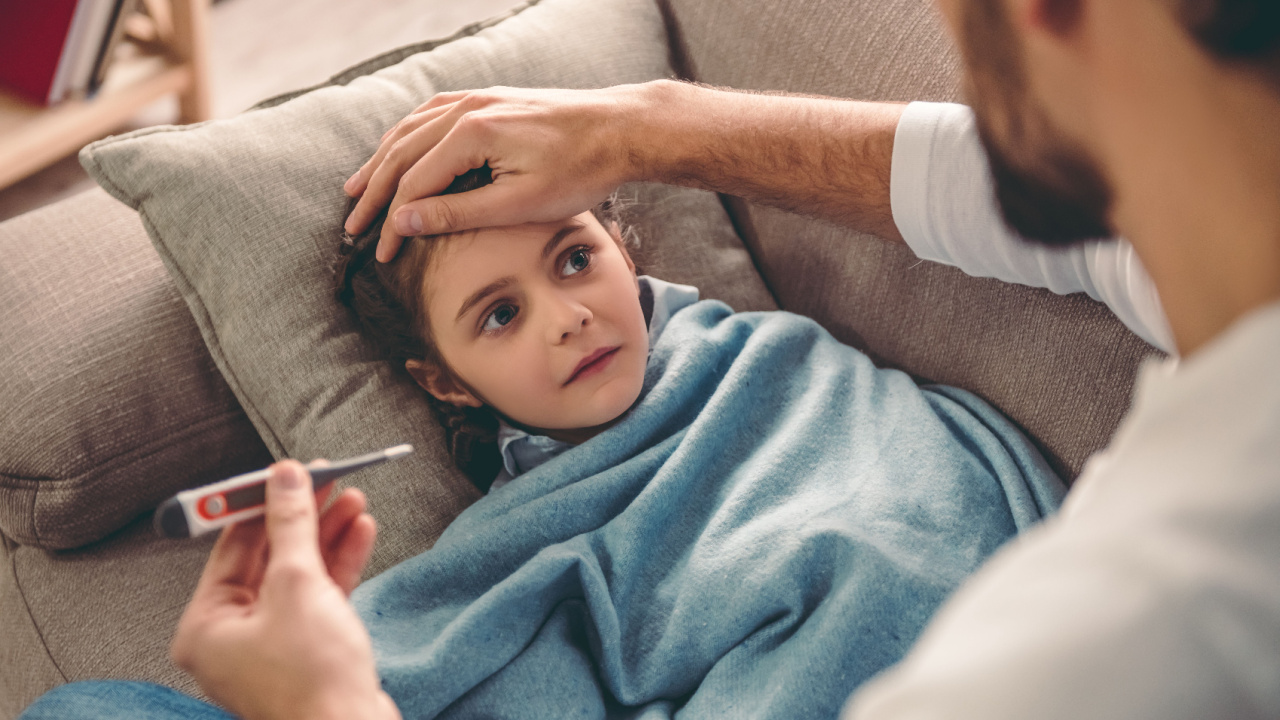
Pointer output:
x,y
109,400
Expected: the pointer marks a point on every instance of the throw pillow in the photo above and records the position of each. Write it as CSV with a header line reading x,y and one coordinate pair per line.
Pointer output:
x,y
246,213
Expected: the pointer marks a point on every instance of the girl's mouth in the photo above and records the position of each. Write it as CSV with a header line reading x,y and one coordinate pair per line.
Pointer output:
x,y
594,363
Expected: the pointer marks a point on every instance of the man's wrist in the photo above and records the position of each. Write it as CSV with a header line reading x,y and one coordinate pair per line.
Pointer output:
x,y
825,157
657,132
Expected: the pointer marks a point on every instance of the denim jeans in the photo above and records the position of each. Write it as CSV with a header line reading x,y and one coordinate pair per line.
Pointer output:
x,y
120,700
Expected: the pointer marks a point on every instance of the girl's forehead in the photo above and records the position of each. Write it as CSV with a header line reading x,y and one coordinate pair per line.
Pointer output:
x,y
514,234
462,263
484,247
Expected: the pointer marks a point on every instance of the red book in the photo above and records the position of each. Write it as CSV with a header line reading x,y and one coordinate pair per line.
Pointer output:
x,y
32,35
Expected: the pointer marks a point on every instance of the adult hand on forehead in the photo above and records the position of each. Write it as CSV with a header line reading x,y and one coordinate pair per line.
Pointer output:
x,y
556,153
553,154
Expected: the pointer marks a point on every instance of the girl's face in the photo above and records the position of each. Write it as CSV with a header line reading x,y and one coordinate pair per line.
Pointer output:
x,y
540,321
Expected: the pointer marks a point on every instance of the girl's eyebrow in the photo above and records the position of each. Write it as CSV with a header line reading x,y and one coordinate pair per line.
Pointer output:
x,y
483,293
559,237
501,283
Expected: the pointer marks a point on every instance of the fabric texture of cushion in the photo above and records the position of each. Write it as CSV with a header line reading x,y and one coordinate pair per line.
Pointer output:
x,y
109,401
246,213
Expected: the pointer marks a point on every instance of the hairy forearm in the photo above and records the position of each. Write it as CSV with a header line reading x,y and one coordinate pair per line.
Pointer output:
x,y
822,157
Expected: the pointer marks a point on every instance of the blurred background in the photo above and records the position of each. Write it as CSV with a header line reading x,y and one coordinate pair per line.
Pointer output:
x,y
252,50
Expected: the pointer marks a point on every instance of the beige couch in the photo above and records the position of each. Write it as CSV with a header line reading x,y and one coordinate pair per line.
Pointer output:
x,y
105,380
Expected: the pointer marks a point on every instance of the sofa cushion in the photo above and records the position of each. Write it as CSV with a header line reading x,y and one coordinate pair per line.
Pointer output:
x,y
1062,367
247,214
107,610
109,401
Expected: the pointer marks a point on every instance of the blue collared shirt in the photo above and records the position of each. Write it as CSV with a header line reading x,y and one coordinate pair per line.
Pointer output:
x,y
521,451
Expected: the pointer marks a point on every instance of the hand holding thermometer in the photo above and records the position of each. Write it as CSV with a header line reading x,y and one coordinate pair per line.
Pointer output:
x,y
195,512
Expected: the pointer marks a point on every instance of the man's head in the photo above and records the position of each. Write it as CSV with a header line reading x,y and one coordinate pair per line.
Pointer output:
x,y
1039,118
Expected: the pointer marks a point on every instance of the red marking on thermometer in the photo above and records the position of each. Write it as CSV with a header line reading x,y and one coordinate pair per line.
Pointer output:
x,y
200,510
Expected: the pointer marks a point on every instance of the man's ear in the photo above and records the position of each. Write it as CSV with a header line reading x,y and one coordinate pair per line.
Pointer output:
x,y
435,380
1059,17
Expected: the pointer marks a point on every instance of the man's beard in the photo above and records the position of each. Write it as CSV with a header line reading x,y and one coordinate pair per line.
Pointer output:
x,y
1056,195
1071,209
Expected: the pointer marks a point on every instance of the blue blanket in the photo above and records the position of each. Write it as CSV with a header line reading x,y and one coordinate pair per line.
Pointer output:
x,y
772,524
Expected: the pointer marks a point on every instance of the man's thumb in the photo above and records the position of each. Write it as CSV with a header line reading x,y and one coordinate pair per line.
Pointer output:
x,y
292,520
482,207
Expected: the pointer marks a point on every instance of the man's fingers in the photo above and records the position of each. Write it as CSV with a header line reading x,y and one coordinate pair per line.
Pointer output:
x,y
489,206
438,215
237,557
292,528
358,183
439,99
323,492
376,181
335,518
388,246
412,139
427,178
322,495
351,552
346,538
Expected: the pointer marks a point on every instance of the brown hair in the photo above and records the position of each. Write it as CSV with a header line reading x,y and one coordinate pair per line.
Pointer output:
x,y
386,300
1247,30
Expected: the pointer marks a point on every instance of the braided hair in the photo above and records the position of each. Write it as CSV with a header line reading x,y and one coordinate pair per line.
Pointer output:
x,y
385,299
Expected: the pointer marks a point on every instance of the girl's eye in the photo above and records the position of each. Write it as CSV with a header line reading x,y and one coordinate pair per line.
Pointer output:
x,y
577,261
499,318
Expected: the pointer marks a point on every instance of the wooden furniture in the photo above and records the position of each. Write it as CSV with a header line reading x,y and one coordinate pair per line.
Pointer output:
x,y
166,52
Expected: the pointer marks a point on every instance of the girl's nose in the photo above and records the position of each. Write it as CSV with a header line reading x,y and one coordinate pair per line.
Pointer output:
x,y
569,319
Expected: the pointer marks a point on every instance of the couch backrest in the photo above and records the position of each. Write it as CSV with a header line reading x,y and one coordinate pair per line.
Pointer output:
x,y
1062,367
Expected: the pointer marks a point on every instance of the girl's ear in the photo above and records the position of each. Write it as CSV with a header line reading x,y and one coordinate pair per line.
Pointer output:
x,y
432,378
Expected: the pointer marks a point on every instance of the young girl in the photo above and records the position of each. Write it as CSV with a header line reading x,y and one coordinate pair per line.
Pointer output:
x,y
689,510
545,319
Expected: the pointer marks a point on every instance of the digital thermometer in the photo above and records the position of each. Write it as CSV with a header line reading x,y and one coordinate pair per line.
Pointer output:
x,y
195,512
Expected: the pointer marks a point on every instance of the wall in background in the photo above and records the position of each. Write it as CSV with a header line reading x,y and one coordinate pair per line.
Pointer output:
x,y
260,48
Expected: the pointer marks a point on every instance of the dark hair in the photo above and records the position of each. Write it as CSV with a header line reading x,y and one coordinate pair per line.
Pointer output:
x,y
1236,29
1245,33
385,299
